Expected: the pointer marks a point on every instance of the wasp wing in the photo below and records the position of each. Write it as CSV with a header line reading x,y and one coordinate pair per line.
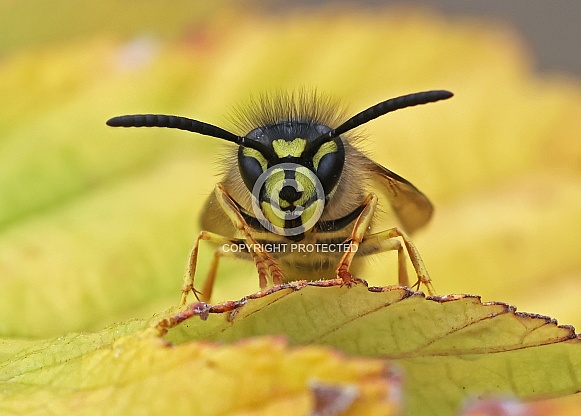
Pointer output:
x,y
410,205
215,220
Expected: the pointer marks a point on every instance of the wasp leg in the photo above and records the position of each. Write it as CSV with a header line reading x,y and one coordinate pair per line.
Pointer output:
x,y
387,240
188,283
383,241
359,229
265,264
207,289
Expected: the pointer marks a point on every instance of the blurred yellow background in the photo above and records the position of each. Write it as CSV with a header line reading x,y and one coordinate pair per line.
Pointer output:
x,y
96,223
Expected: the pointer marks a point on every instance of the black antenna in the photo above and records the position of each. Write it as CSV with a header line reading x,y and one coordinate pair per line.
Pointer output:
x,y
380,109
188,124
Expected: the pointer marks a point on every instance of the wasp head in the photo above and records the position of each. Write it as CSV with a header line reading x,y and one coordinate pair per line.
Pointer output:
x,y
294,177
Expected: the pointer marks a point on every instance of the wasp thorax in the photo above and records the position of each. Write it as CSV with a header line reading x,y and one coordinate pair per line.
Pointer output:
x,y
292,181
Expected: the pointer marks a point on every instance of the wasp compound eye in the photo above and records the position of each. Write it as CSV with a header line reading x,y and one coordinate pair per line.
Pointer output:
x,y
288,199
328,162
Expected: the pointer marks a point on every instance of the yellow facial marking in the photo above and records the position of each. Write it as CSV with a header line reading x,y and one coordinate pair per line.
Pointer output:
x,y
304,177
294,148
274,183
249,152
326,148
272,214
286,215
314,209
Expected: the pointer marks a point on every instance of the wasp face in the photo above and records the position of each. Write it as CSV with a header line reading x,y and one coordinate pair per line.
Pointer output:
x,y
294,179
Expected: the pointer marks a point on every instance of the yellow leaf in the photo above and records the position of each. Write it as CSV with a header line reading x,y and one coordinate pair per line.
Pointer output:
x,y
450,347
142,374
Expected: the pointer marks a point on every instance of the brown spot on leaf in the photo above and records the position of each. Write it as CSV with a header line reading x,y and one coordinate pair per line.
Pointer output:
x,y
332,399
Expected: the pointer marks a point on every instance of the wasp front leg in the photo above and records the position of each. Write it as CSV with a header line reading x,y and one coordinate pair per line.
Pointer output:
x,y
361,225
384,241
265,264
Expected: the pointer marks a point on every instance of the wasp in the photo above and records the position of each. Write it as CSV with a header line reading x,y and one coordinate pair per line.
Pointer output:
x,y
295,197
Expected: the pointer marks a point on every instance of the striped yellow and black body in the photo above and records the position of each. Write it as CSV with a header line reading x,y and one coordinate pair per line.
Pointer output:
x,y
298,197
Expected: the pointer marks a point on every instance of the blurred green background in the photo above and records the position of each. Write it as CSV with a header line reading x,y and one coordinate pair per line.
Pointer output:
x,y
96,223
